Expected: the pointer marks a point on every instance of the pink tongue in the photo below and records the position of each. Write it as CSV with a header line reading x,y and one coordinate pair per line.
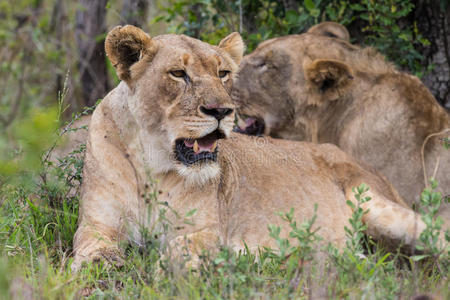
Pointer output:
x,y
248,122
189,143
204,146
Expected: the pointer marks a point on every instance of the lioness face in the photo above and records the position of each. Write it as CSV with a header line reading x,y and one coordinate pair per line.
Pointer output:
x,y
285,77
181,97
261,91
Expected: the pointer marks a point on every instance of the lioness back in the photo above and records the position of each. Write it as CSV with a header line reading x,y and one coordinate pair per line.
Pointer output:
x,y
268,175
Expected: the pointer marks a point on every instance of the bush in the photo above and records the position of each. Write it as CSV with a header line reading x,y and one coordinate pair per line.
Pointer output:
x,y
211,20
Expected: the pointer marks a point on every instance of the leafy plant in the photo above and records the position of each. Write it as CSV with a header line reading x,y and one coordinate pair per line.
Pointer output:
x,y
446,143
378,21
429,240
304,234
296,259
384,31
355,234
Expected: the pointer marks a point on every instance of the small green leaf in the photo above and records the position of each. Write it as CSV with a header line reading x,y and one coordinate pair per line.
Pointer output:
x,y
309,4
419,257
191,212
349,203
357,7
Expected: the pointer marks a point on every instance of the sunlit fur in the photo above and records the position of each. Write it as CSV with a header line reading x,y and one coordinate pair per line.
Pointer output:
x,y
200,174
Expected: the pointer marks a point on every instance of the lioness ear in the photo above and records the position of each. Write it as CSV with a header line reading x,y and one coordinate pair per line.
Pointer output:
x,y
126,45
234,46
330,29
330,77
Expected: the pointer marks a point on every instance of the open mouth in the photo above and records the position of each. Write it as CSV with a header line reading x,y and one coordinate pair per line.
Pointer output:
x,y
251,126
204,149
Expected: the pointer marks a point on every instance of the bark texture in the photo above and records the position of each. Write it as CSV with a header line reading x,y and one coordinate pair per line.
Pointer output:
x,y
134,12
433,21
90,26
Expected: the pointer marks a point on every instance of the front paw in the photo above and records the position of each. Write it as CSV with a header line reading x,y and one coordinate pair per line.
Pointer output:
x,y
111,257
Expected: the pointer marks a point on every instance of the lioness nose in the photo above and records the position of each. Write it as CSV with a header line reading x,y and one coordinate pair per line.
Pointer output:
x,y
219,113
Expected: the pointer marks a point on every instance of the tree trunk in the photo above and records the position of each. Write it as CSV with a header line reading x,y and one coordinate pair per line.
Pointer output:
x,y
134,12
290,5
433,21
56,27
90,25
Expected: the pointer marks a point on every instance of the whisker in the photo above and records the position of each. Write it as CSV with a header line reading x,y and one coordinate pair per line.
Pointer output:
x,y
199,124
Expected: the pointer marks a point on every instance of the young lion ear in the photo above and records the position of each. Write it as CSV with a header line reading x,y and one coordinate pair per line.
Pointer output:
x,y
330,77
330,29
234,46
126,45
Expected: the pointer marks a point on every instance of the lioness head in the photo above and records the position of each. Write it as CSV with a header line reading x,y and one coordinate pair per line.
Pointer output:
x,y
178,93
288,73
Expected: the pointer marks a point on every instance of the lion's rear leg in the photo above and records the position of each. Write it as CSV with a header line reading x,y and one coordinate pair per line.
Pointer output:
x,y
388,221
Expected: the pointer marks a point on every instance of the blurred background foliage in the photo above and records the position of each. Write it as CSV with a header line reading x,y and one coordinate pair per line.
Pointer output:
x,y
52,47
260,20
415,34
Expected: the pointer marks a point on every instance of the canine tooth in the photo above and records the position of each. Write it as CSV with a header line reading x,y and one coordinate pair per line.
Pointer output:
x,y
196,147
214,146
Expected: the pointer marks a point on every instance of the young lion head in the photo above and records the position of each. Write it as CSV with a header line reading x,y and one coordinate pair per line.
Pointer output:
x,y
178,93
285,75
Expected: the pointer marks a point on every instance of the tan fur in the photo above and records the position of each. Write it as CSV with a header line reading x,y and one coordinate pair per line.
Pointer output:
x,y
313,87
132,134
330,29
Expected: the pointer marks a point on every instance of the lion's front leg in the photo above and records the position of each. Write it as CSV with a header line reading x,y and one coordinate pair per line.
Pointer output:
x,y
110,208
105,221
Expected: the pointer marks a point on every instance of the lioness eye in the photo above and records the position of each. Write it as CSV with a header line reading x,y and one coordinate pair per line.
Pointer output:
x,y
178,73
223,73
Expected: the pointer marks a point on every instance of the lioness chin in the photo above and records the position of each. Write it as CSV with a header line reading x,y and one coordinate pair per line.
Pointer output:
x,y
320,88
172,116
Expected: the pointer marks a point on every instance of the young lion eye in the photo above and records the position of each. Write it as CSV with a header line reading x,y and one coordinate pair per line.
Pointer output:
x,y
223,73
178,73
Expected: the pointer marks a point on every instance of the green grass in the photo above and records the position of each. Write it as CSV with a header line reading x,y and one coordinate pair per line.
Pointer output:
x,y
37,224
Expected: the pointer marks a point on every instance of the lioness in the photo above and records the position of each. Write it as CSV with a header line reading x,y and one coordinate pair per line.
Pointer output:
x,y
172,115
318,87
